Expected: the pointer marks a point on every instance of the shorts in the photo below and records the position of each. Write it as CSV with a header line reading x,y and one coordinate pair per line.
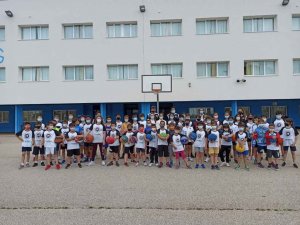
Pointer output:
x,y
140,150
261,149
163,150
38,151
114,149
199,149
26,149
293,148
49,150
63,146
273,153
189,143
87,144
180,154
129,150
244,153
71,152
213,150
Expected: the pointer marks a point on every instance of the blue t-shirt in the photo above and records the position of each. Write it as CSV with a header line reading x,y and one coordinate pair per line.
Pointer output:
x,y
261,135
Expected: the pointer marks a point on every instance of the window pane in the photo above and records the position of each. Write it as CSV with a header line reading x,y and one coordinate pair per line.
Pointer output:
x,y
2,74
88,30
117,30
248,69
222,26
112,72
270,67
79,73
156,69
296,65
133,71
176,28
77,31
176,70
89,73
201,27
133,30
296,23
247,25
110,31
126,30
257,25
155,29
211,26
166,69
69,73
27,74
258,68
44,33
201,69
68,32
269,24
34,33
44,76
165,29
222,69
2,34
26,33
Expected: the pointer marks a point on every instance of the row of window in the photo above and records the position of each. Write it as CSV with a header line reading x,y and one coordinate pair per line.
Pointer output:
x,y
130,72
158,28
31,116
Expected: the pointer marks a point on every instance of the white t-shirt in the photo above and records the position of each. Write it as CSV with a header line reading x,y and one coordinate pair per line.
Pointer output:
x,y
38,136
242,137
64,131
176,141
153,142
200,141
114,134
49,137
86,129
140,140
224,141
187,130
279,124
72,144
98,131
273,144
119,125
27,137
161,142
288,135
129,134
215,144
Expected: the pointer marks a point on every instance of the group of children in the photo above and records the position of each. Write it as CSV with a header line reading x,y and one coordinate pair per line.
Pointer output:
x,y
156,139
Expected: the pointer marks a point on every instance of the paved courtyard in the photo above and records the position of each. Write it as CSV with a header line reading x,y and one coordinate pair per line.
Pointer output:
x,y
143,195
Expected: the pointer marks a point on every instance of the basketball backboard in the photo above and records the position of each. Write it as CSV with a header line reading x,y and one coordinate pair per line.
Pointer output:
x,y
150,83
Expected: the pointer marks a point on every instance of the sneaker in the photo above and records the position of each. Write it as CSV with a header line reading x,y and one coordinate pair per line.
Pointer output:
x,y
237,167
27,164
126,164
207,159
191,159
212,167
150,164
137,164
91,163
68,166
110,163
227,164
42,163
57,166
47,167
63,161
160,165
21,166
247,168
145,163
156,164
103,163
283,164
260,165
51,163
79,165
269,166
196,166
276,167
223,164
168,165
117,164
35,164
217,167
295,165
203,166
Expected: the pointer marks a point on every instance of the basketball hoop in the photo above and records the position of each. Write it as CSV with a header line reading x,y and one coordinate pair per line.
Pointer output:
x,y
156,90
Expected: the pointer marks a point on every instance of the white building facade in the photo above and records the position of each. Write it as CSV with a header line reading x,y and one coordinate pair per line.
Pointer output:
x,y
76,56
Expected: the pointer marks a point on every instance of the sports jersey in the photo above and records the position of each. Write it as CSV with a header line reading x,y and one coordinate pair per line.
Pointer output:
x,y
72,144
49,137
119,125
153,142
86,129
288,134
214,144
242,137
97,131
38,136
27,136
279,124
226,142
129,135
140,140
200,140
162,142
187,130
114,133
176,141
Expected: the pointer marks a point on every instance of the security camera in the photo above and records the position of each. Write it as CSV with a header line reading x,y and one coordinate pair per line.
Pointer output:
x,y
142,8
244,80
238,81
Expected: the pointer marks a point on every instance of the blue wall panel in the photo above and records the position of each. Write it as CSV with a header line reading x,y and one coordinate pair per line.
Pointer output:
x,y
10,126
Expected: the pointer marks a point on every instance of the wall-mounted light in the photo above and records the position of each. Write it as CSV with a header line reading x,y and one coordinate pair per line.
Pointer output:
x,y
190,85
142,8
241,81
285,2
9,13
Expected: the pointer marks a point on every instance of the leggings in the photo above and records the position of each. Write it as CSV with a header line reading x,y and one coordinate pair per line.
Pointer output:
x,y
95,145
153,155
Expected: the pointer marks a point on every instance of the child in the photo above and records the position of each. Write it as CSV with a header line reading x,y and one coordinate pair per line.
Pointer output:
x,y
273,145
26,136
186,130
259,136
234,128
162,145
153,146
213,147
207,129
129,146
241,139
72,146
98,130
142,119
114,147
161,118
140,145
178,148
171,127
289,135
63,146
200,145
135,124
88,147
279,124
226,144
50,145
118,122
38,148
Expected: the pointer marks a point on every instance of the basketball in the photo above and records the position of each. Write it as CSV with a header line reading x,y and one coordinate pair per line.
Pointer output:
x,y
164,135
240,148
149,137
212,137
133,139
58,139
193,136
124,138
78,138
184,140
89,138
110,140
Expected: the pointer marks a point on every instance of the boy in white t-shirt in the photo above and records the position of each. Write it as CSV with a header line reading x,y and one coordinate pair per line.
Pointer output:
x,y
73,147
140,145
200,145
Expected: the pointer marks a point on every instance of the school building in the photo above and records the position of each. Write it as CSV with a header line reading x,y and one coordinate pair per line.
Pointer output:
x,y
60,56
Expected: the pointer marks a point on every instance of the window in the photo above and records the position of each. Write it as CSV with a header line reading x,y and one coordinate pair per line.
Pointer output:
x,y
259,24
79,72
195,111
2,33
78,31
296,22
175,69
34,32
296,67
165,28
213,69
4,116
31,116
246,109
270,111
2,75
260,68
115,30
35,73
212,26
122,72
63,114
